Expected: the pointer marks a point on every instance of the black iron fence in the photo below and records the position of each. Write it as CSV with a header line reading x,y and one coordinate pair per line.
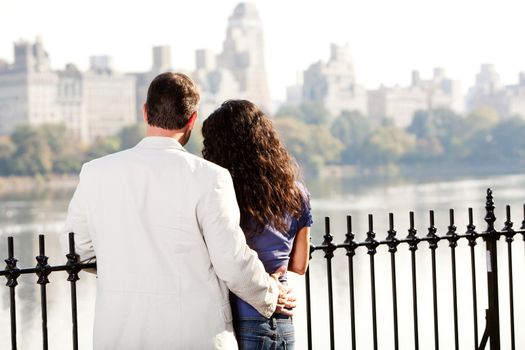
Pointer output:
x,y
412,241
42,270
350,245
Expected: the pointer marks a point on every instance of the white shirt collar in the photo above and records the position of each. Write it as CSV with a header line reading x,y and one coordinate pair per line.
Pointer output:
x,y
160,142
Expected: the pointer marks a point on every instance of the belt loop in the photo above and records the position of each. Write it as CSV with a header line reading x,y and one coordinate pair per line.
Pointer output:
x,y
273,323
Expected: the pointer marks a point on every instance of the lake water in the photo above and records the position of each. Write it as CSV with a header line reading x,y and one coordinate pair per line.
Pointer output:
x,y
26,215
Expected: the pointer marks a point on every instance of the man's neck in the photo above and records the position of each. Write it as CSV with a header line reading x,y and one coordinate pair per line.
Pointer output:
x,y
155,131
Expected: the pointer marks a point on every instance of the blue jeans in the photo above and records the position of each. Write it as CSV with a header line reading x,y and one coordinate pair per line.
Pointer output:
x,y
259,333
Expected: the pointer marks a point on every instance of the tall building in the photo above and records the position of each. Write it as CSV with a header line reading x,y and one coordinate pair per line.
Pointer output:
x,y
109,97
400,103
102,64
161,63
516,97
239,71
334,83
71,101
27,88
396,103
216,85
487,91
243,54
205,60
90,104
161,59
507,101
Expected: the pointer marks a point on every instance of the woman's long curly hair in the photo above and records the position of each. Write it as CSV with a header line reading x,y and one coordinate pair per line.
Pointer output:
x,y
239,137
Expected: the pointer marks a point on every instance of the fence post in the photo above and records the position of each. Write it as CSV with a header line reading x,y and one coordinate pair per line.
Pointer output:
x,y
393,242
492,331
351,246
413,241
73,270
371,244
433,240
308,301
12,275
43,271
472,235
329,248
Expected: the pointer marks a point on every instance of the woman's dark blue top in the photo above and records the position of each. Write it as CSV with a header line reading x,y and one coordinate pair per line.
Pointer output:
x,y
273,248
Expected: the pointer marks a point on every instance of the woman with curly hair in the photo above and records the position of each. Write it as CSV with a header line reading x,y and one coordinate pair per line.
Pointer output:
x,y
274,207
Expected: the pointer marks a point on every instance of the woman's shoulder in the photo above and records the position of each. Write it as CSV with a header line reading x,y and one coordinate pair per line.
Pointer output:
x,y
303,190
306,211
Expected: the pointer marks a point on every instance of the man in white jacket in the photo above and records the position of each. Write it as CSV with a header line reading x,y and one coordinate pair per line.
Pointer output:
x,y
163,225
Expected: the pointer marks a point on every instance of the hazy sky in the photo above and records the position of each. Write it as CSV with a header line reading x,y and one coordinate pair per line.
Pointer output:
x,y
388,38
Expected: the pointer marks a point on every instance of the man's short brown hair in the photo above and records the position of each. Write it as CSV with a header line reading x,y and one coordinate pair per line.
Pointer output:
x,y
172,98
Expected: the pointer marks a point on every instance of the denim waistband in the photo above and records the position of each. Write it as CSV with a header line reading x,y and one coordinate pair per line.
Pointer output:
x,y
262,318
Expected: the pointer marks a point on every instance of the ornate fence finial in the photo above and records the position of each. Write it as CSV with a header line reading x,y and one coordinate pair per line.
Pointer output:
x,y
433,239
370,240
523,222
391,237
452,236
329,247
72,260
472,235
13,271
507,228
490,218
350,243
43,267
412,234
470,226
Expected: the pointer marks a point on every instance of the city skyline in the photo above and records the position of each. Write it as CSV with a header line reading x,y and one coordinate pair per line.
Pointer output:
x,y
101,101
387,41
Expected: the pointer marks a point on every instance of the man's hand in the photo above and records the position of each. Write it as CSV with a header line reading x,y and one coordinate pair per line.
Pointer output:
x,y
286,300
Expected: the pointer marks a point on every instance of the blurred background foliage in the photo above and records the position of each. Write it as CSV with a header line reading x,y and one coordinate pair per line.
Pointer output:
x,y
316,139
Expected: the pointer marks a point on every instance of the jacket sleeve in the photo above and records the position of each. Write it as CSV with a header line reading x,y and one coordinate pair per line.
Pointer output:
x,y
77,222
234,262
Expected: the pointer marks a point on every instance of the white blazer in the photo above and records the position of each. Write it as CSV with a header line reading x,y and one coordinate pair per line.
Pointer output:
x,y
164,227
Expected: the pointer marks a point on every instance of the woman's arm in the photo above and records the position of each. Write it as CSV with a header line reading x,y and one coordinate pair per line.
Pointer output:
x,y
300,252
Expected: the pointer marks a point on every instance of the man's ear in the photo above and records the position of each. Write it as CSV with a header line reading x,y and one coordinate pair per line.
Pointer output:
x,y
145,113
192,120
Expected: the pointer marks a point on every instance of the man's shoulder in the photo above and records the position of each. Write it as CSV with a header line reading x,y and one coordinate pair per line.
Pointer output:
x,y
201,168
195,164
105,160
204,166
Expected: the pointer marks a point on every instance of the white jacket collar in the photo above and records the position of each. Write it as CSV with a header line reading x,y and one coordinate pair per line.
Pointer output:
x,y
160,142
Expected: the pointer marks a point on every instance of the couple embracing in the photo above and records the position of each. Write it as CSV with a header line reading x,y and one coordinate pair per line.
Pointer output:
x,y
192,253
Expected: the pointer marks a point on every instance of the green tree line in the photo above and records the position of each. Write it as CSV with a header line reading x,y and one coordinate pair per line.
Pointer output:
x,y
49,149
440,137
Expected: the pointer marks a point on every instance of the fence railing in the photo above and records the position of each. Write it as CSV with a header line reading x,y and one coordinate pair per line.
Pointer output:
x,y
42,270
350,245
412,241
